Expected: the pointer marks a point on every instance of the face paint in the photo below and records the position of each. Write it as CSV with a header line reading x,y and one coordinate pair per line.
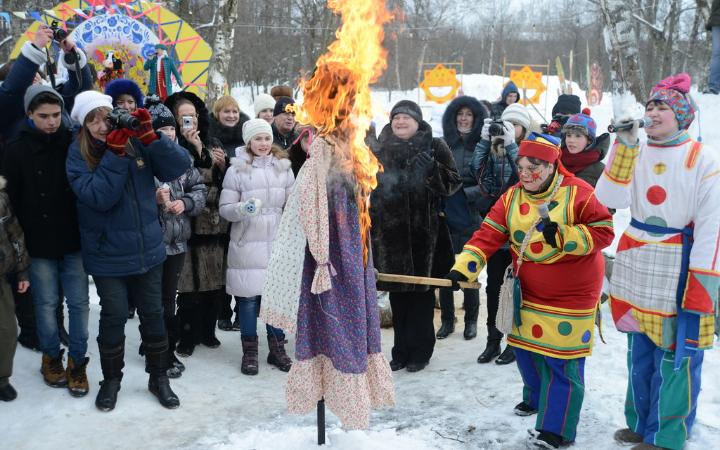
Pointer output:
x,y
535,176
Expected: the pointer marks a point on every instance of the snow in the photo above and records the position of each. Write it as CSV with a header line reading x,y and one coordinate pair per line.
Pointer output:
x,y
454,403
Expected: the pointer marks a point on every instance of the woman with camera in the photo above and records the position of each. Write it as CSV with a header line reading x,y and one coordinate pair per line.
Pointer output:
x,y
112,171
494,165
202,282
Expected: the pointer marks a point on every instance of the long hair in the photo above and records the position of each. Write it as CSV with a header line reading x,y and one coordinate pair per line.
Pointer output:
x,y
88,150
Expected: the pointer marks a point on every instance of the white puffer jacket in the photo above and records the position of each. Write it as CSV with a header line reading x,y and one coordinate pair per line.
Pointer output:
x,y
270,180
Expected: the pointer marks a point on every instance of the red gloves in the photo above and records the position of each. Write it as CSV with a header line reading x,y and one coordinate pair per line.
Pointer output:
x,y
117,140
145,133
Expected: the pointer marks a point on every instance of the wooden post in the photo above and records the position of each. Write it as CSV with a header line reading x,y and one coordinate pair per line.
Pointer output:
x,y
438,282
321,421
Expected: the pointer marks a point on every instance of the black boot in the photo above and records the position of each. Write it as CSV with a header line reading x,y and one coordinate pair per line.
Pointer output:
x,y
277,356
493,346
157,362
446,328
470,331
187,313
507,356
25,313
8,393
210,312
112,361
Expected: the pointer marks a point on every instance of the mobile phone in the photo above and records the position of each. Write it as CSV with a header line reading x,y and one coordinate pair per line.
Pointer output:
x,y
187,122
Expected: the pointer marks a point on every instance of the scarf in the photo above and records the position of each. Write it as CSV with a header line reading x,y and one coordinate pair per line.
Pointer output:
x,y
577,162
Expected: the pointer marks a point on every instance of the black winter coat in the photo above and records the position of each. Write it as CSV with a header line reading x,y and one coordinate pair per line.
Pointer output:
x,y
409,237
230,137
714,20
462,209
39,192
282,140
592,173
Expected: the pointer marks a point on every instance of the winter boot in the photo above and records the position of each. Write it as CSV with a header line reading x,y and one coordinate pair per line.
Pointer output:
x,y
7,393
157,362
187,319
493,346
77,381
112,361
53,371
446,328
210,312
249,364
523,409
627,436
176,367
470,331
277,356
225,324
506,357
545,439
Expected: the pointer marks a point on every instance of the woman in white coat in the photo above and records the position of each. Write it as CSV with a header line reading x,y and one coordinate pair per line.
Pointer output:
x,y
254,193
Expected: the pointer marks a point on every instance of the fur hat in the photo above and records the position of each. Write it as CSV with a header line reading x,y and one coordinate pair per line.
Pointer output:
x,y
281,91
674,92
37,89
517,114
281,105
263,102
121,86
253,127
567,104
86,101
408,107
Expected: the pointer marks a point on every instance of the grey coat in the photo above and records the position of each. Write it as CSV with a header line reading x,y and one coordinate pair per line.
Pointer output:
x,y
176,228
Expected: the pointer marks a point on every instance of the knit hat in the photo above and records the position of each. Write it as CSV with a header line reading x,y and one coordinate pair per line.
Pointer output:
x,y
86,101
673,91
517,114
408,107
281,106
161,115
583,123
121,86
37,89
263,102
567,104
253,127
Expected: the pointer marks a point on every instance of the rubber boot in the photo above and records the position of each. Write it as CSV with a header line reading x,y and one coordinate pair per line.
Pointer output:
x,y
112,361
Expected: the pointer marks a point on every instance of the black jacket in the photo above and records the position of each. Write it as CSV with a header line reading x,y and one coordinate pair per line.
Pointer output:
x,y
714,20
40,195
282,140
229,137
462,208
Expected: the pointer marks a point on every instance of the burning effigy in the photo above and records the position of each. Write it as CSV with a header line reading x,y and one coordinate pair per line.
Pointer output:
x,y
320,280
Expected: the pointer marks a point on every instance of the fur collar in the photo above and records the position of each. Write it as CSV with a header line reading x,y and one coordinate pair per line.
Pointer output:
x,y
231,137
3,183
245,163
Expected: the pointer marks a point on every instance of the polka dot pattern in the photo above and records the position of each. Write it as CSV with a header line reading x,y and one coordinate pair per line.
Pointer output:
x,y
656,195
518,236
524,209
536,247
660,168
570,246
537,331
657,221
472,266
586,337
564,328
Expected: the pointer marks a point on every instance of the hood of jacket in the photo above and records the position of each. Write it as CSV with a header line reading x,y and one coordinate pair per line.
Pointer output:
x,y
449,120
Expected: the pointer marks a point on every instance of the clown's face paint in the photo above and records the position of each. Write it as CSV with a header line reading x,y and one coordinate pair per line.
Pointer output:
x,y
533,176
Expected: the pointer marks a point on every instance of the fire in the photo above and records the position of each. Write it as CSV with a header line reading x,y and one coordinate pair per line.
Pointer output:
x,y
337,98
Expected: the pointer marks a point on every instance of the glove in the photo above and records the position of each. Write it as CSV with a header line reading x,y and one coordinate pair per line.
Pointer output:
x,y
424,162
485,132
117,140
549,231
509,133
145,133
250,207
455,277
628,137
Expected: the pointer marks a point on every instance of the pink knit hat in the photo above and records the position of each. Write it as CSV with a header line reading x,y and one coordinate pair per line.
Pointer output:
x,y
674,92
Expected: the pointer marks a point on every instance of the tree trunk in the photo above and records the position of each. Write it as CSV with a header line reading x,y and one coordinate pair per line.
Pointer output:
x,y
225,19
622,48
673,19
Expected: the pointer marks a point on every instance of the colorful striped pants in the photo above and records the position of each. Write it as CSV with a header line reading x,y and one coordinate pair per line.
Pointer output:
x,y
660,403
555,387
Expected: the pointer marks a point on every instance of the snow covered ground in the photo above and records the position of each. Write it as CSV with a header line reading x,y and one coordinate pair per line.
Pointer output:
x,y
453,404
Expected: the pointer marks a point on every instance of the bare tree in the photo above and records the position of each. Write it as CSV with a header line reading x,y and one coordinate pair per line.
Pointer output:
x,y
622,48
225,19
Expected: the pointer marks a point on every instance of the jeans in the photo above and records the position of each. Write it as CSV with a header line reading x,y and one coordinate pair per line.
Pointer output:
x,y
114,292
46,275
714,79
248,308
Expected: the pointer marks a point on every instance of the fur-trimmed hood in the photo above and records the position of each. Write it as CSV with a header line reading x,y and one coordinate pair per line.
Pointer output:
x,y
243,162
121,86
3,182
200,108
449,120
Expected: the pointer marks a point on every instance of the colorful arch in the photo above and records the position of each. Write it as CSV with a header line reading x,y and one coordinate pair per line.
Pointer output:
x,y
191,53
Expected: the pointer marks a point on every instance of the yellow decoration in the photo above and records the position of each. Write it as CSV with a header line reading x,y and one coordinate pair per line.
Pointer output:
x,y
526,79
440,77
192,51
659,168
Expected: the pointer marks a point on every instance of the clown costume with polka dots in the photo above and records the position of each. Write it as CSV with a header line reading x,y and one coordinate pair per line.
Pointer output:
x,y
664,286
561,278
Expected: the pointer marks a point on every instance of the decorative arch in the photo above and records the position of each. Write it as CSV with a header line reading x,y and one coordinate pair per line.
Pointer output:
x,y
130,28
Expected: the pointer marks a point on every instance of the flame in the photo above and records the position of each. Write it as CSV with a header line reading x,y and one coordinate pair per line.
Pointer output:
x,y
336,98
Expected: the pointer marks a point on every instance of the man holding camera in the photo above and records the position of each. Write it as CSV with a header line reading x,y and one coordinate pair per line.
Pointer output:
x,y
41,197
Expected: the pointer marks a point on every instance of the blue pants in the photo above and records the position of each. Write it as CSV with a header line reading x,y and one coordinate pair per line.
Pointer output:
x,y
556,388
114,292
661,402
248,309
46,275
714,79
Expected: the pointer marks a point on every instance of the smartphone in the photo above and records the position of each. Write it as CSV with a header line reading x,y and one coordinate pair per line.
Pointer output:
x,y
187,122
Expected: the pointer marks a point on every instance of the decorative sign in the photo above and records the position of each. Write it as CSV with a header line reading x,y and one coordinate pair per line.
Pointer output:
x,y
595,92
442,79
526,79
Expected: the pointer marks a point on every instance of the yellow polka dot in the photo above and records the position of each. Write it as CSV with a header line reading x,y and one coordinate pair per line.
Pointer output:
x,y
659,168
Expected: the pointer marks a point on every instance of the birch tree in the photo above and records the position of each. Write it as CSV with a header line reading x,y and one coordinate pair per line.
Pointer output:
x,y
225,18
622,48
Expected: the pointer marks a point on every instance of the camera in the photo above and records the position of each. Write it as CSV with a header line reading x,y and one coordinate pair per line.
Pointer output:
x,y
121,118
187,122
497,128
59,34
